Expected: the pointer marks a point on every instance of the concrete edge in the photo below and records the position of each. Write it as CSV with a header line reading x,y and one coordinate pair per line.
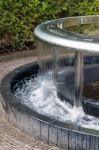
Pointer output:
x,y
18,54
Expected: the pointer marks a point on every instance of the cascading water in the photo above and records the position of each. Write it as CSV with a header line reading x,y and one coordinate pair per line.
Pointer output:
x,y
40,94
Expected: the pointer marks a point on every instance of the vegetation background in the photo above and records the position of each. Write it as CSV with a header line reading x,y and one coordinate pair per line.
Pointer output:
x,y
18,18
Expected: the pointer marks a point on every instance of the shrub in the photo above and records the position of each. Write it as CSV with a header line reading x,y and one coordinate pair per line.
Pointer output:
x,y
18,19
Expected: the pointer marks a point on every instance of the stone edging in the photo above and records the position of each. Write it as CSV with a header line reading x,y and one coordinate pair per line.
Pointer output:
x,y
19,54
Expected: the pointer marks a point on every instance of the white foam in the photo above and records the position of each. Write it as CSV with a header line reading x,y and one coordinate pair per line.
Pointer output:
x,y
40,94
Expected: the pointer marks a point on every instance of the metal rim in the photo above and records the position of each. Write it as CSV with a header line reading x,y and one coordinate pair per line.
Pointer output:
x,y
52,32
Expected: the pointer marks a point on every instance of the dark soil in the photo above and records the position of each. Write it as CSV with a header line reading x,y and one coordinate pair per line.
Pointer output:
x,y
8,49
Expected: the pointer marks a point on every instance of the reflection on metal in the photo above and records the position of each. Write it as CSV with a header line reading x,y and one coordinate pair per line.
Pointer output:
x,y
78,78
53,32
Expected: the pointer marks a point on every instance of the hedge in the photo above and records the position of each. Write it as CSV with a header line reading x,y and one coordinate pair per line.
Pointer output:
x,y
18,18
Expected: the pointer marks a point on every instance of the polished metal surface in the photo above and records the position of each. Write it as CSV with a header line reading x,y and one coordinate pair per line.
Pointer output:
x,y
53,32
78,78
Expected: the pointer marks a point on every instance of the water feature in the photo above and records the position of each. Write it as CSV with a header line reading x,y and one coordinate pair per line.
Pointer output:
x,y
57,99
76,30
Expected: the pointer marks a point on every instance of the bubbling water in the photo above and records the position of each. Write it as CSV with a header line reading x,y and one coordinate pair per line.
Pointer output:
x,y
40,94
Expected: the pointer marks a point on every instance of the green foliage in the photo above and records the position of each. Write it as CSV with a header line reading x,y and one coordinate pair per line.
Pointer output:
x,y
19,17
88,7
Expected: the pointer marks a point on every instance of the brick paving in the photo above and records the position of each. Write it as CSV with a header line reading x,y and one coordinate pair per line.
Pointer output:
x,y
12,138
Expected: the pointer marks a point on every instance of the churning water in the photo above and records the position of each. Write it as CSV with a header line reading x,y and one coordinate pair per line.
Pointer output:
x,y
40,94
